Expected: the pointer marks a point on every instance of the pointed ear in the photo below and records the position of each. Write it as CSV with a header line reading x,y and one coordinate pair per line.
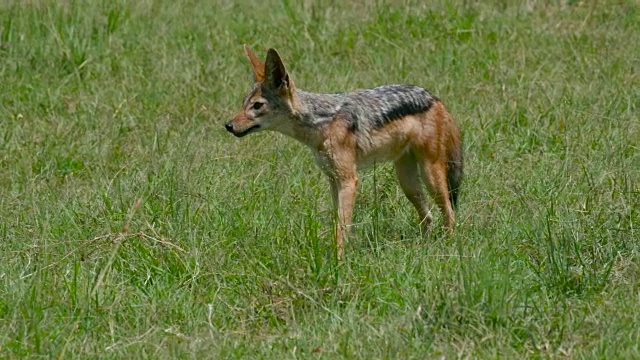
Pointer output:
x,y
257,66
276,74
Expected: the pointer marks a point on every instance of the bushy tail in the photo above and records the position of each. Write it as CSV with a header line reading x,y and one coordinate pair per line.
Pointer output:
x,y
455,171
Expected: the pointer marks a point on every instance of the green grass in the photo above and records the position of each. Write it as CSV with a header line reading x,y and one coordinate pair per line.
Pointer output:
x,y
132,225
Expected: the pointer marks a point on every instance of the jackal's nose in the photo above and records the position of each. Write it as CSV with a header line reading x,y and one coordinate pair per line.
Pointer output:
x,y
229,126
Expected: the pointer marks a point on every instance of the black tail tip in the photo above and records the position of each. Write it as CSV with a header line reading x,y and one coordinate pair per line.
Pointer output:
x,y
453,197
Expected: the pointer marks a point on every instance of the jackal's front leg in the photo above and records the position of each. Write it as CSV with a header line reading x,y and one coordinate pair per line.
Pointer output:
x,y
344,191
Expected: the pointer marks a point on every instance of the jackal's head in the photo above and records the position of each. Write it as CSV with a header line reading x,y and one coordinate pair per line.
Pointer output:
x,y
269,104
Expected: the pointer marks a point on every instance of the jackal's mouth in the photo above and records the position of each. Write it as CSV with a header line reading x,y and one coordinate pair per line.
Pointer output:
x,y
246,132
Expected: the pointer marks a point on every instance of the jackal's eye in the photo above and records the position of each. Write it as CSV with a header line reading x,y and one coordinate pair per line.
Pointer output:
x,y
257,105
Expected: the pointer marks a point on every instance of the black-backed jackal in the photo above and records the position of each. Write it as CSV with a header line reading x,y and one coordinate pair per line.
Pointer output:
x,y
400,123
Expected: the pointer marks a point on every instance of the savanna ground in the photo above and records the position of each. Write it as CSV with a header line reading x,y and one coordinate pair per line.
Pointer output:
x,y
132,225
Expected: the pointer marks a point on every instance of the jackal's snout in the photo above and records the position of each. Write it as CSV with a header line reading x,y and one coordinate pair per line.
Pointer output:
x,y
241,126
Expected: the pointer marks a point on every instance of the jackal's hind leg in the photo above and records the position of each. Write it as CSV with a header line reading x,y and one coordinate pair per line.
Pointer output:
x,y
434,174
409,180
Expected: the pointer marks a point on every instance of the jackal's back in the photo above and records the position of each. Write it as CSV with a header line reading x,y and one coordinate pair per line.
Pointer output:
x,y
368,108
373,108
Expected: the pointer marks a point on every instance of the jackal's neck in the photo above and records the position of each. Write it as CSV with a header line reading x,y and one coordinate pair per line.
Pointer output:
x,y
312,112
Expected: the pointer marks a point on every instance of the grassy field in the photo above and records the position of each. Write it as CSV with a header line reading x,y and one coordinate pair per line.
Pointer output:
x,y
132,225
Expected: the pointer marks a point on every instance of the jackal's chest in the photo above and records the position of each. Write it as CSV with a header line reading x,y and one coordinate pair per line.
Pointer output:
x,y
381,152
386,144
365,150
364,147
